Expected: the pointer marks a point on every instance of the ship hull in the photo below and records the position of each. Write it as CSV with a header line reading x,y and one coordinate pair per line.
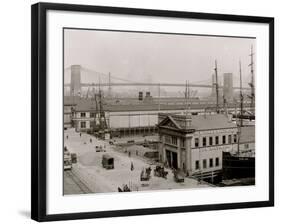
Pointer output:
x,y
237,167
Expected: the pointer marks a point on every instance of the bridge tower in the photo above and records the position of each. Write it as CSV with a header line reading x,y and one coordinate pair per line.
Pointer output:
x,y
228,87
75,82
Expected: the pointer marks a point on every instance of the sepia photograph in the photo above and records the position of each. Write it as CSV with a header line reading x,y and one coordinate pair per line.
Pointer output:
x,y
146,111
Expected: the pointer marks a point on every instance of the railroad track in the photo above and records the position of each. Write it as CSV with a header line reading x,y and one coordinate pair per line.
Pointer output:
x,y
83,187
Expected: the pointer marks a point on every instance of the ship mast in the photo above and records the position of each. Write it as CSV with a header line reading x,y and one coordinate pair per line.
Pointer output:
x,y
241,110
217,87
251,84
241,96
102,118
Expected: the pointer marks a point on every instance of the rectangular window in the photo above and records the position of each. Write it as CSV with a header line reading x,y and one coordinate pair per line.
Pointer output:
x,y
83,114
197,166
196,140
246,146
210,140
234,138
211,163
217,140
217,161
229,139
83,124
92,114
204,163
174,140
223,139
204,141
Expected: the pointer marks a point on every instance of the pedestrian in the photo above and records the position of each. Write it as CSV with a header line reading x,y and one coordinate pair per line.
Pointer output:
x,y
132,166
80,134
90,140
129,153
67,137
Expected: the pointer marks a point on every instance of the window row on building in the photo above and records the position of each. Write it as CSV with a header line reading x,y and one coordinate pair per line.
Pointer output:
x,y
83,124
84,115
212,163
215,140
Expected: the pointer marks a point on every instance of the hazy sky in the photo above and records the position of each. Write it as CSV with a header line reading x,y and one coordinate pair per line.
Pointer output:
x,y
155,57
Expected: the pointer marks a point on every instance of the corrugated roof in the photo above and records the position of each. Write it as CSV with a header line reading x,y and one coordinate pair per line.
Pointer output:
x,y
140,106
212,121
86,105
202,122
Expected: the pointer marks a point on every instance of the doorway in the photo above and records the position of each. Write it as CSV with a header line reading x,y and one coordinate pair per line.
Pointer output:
x,y
172,159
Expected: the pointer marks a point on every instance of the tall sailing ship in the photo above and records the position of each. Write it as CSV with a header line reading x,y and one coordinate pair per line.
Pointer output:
x,y
239,167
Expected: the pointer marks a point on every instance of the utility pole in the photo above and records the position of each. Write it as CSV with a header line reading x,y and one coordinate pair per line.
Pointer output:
x,y
217,87
251,84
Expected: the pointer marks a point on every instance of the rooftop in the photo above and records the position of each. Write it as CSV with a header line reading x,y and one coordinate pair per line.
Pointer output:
x,y
212,121
197,122
86,105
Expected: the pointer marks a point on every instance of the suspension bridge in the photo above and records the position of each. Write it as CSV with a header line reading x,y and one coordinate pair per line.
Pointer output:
x,y
119,82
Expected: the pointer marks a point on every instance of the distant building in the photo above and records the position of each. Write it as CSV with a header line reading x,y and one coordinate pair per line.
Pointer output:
x,y
85,116
228,87
69,106
129,116
75,82
195,144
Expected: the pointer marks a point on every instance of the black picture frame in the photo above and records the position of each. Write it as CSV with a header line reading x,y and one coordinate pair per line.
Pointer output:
x,y
39,108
